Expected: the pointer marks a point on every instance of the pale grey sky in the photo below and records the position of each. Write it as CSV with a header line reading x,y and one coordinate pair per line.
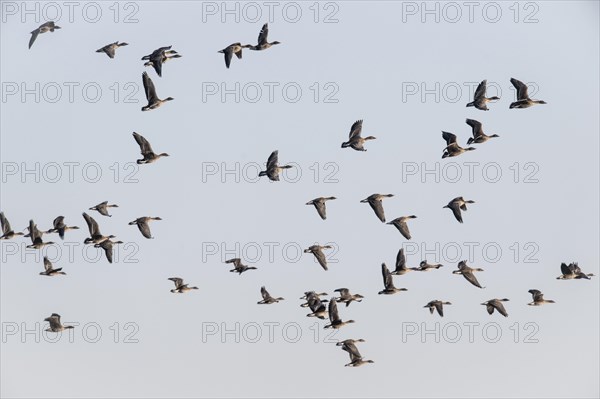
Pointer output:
x,y
392,64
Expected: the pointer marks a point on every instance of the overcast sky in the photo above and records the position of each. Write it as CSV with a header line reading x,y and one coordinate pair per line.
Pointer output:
x,y
407,69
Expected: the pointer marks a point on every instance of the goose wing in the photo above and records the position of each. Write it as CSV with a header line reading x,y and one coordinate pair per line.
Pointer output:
x,y
387,277
144,228
356,129
449,137
377,206
476,127
144,144
149,88
521,89
400,260
34,35
320,258
47,264
5,225
262,36
566,270
92,225
500,308
480,91
321,209
333,311
456,211
351,348
178,281
471,278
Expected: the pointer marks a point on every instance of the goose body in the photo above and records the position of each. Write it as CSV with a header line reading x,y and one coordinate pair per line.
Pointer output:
x,y
479,99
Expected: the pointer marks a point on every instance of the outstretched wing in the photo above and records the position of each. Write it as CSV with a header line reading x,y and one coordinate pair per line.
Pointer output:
x,y
149,88
145,146
178,281
92,224
5,224
321,258
145,229
400,260
476,127
333,311
377,207
273,160
449,137
456,211
34,36
262,36
47,264
471,279
265,294
480,91
356,129
521,89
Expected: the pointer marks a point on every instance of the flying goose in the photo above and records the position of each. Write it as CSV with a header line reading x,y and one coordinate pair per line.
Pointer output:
x,y
316,306
60,227
151,96
355,140
229,51
523,100
273,168
334,317
458,204
267,298
388,282
437,305
467,273
146,149
479,99
107,246
349,345
110,49
477,130
263,43
180,288
55,325
317,251
7,231
95,236
401,264
401,225
319,204
36,237
572,271
102,208
43,28
49,270
347,297
425,267
452,148
375,201
142,224
238,266
538,298
496,304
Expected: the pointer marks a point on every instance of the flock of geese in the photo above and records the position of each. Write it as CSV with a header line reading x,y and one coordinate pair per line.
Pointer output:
x,y
314,302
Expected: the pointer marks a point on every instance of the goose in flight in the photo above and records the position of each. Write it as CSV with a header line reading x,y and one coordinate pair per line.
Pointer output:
x,y
107,246
263,43
102,208
572,271
347,297
452,148
7,231
479,98
317,251
388,282
60,227
477,130
95,236
49,270
375,200
349,345
437,305
523,100
43,28
273,169
496,304
55,324
36,237
401,225
142,224
319,204
467,273
151,96
238,266
148,154
334,317
110,49
425,267
229,51
538,298
180,288
316,305
458,204
401,264
267,298
355,140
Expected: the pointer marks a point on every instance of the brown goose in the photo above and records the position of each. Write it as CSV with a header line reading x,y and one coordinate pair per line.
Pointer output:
x,y
425,267
523,100
572,271
49,270
102,208
229,51
60,227
538,298
107,246
477,130
401,225
7,231
319,204
110,49
334,317
55,324
456,205
267,298
452,148
316,306
347,297
146,149
388,282
496,304
263,42
238,266
467,273
143,226
43,28
479,98
437,305
36,237
273,169
317,251
180,288
401,264
375,200
355,141
151,96
95,236
349,345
